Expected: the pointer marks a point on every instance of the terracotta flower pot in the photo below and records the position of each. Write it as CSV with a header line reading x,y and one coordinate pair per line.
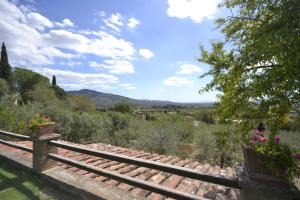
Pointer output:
x,y
257,169
44,129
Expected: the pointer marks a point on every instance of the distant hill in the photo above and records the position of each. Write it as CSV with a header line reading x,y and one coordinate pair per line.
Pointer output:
x,y
106,100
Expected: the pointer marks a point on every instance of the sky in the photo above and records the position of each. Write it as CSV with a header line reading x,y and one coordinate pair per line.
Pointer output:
x,y
143,49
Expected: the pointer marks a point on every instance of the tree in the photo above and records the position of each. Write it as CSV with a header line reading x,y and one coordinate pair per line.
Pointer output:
x,y
5,68
122,107
81,103
41,93
59,92
53,80
258,72
25,80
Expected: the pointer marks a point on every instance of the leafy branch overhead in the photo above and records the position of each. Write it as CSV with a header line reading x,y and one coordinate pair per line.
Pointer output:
x,y
256,68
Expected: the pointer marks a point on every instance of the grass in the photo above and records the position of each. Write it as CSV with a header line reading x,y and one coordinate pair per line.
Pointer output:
x,y
17,183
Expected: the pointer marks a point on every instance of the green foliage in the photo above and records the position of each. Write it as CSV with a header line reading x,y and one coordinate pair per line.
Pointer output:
x,y
122,107
149,117
5,68
59,92
4,87
37,121
214,141
15,118
25,80
280,158
159,137
259,73
40,93
204,115
81,103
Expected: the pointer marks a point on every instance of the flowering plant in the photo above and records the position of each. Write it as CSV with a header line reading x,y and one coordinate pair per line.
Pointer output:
x,y
280,159
38,121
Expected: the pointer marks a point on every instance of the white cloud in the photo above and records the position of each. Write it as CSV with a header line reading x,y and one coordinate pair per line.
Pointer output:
x,y
116,19
114,22
74,80
33,41
38,21
132,22
177,81
66,39
101,13
197,10
127,86
115,66
146,53
20,30
106,45
53,52
112,26
110,46
64,23
71,63
188,69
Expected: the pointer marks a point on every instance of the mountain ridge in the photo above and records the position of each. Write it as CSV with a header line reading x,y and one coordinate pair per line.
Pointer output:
x,y
103,99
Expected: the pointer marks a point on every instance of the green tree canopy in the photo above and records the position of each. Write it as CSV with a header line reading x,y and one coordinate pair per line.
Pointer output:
x,y
257,69
25,80
41,93
5,68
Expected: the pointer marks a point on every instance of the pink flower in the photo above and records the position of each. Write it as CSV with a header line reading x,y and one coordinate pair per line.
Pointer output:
x,y
254,139
263,139
256,131
277,139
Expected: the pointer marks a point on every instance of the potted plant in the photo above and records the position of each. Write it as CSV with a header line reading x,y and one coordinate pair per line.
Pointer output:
x,y
267,159
41,125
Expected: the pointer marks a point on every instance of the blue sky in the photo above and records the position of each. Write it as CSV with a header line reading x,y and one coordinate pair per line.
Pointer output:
x,y
137,48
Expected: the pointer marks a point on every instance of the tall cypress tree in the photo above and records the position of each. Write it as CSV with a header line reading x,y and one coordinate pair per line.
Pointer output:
x,y
53,80
5,68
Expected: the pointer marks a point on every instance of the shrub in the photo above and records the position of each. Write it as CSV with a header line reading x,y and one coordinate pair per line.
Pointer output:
x,y
122,107
204,115
81,103
4,87
159,137
59,92
212,143
40,93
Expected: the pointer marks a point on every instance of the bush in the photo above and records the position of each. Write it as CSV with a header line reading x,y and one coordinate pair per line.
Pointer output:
x,y
159,137
81,103
204,115
40,93
59,92
4,87
211,143
122,107
149,117
15,118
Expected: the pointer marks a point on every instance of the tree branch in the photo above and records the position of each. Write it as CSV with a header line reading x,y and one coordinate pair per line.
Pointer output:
x,y
262,66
